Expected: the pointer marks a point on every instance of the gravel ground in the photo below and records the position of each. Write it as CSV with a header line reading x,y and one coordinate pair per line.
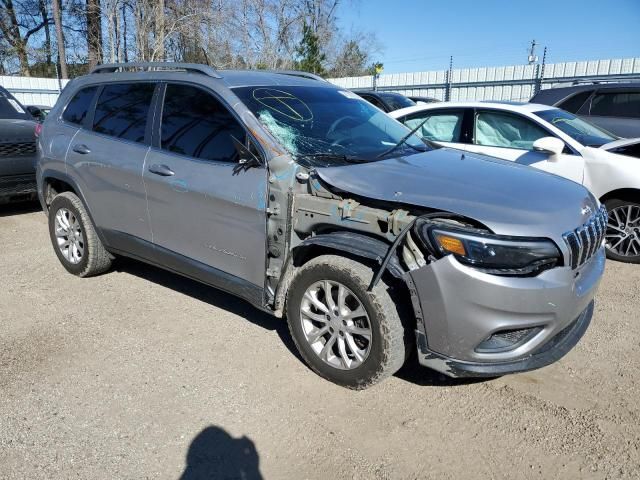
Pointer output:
x,y
143,374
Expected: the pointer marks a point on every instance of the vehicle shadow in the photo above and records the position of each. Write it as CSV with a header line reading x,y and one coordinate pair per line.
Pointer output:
x,y
214,454
210,295
413,372
19,208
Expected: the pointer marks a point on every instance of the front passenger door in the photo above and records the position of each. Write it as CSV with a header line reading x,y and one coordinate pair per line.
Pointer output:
x,y
202,206
510,136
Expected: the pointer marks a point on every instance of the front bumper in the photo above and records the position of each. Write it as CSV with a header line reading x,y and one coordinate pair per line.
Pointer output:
x,y
463,307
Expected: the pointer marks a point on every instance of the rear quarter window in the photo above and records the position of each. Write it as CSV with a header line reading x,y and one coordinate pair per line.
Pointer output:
x,y
78,107
573,103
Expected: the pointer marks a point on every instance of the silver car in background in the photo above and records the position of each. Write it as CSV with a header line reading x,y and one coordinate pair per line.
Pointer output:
x,y
308,202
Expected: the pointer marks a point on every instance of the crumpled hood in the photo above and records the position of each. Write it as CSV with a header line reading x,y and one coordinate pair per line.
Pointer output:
x,y
508,198
13,130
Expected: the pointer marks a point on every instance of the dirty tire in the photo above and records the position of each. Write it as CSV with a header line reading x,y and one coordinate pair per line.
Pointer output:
x,y
614,203
389,337
95,259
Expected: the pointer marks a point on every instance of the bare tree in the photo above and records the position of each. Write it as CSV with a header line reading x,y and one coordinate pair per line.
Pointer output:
x,y
62,55
44,13
19,21
94,32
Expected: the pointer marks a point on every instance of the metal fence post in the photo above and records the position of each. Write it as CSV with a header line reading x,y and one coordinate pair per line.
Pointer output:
x,y
447,91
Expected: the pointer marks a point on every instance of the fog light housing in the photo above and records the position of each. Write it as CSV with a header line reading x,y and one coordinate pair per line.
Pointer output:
x,y
505,340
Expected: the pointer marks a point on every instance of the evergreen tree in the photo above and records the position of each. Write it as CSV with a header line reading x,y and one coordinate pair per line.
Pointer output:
x,y
310,56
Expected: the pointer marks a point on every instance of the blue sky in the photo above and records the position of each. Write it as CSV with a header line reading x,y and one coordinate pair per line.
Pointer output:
x,y
421,35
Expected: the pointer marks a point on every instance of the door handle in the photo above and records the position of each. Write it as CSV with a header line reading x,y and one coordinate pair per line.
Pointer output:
x,y
81,148
161,170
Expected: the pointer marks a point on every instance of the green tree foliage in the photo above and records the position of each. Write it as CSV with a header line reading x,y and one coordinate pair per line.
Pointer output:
x,y
310,55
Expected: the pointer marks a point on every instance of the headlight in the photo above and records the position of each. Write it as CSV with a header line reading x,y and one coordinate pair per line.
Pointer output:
x,y
496,254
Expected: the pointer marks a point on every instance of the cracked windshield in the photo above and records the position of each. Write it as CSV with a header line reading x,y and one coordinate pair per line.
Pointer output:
x,y
326,127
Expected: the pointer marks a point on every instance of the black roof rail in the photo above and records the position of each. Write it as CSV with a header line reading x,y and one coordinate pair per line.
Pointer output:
x,y
158,66
297,73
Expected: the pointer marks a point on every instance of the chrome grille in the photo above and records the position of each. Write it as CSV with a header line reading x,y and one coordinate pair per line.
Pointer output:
x,y
584,241
17,149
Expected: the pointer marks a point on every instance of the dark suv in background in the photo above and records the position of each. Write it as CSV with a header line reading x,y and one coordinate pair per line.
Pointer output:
x,y
614,107
386,101
17,150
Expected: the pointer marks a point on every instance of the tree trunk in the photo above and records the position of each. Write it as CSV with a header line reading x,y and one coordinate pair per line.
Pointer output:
x,y
62,55
21,51
124,32
159,33
47,33
94,33
14,38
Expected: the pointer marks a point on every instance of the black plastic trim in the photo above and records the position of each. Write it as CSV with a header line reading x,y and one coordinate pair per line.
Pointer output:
x,y
354,244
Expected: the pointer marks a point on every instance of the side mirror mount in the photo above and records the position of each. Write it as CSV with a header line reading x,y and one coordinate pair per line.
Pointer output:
x,y
36,113
550,145
247,157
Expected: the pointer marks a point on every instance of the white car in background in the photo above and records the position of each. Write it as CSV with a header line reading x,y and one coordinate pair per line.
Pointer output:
x,y
550,139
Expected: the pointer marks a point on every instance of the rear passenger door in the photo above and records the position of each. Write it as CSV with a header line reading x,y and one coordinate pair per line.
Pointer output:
x,y
106,158
202,205
445,126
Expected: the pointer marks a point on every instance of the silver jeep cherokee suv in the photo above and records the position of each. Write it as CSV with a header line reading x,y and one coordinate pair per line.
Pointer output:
x,y
310,203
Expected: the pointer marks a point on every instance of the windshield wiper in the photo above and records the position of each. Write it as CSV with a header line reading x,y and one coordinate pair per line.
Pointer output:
x,y
333,156
404,139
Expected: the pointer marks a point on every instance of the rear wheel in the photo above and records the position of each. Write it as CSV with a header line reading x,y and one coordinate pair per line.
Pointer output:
x,y
346,334
623,230
74,237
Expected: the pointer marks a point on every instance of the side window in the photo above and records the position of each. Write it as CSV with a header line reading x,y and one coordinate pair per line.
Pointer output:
x,y
498,129
573,104
620,104
196,124
79,105
374,101
444,126
122,110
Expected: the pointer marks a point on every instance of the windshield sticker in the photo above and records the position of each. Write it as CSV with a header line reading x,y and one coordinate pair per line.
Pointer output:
x,y
284,103
284,133
15,105
349,94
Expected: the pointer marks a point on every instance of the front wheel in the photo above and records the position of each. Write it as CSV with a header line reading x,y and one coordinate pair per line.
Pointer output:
x,y
623,230
346,334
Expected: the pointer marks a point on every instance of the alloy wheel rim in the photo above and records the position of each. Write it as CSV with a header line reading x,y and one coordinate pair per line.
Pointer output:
x,y
623,231
69,236
336,325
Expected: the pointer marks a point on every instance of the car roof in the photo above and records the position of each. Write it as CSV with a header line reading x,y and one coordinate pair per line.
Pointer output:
x,y
506,106
378,93
248,78
231,78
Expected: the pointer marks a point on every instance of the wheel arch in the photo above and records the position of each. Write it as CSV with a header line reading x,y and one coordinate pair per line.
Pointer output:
x,y
631,194
356,246
54,183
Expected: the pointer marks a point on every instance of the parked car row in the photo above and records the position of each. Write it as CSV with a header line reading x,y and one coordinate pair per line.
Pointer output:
x,y
312,204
